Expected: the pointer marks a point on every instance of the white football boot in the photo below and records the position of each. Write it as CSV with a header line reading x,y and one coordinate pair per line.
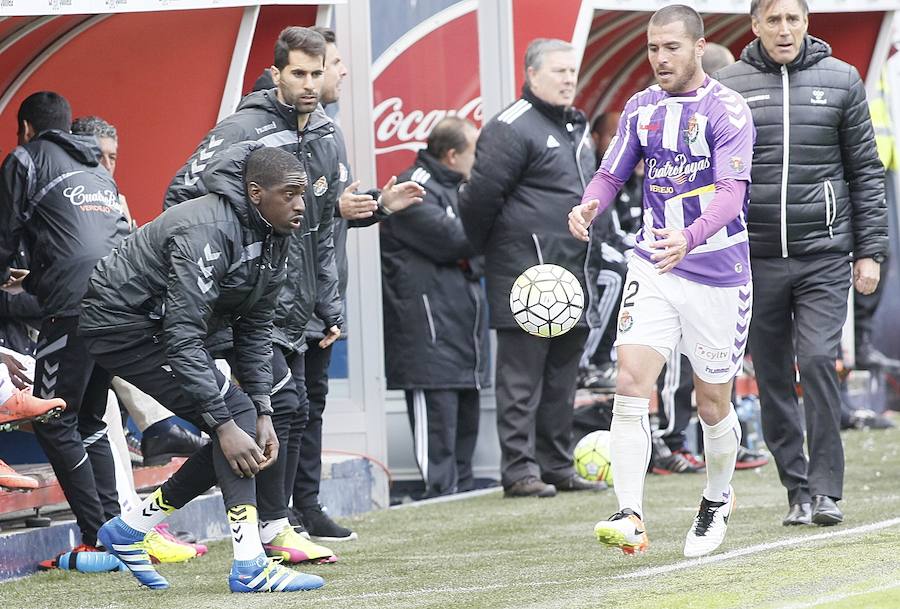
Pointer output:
x,y
708,530
624,530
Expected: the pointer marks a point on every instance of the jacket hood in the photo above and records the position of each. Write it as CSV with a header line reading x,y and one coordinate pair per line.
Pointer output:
x,y
225,177
566,114
267,101
812,52
83,148
438,170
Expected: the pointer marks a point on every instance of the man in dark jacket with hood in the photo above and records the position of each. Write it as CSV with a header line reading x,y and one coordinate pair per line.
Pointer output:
x,y
817,202
533,162
57,199
287,117
435,312
216,261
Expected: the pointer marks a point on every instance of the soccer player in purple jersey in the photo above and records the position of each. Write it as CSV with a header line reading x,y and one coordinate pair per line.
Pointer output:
x,y
688,284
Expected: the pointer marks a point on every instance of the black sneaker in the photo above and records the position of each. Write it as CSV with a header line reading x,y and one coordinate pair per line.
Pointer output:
x,y
293,517
173,442
664,462
321,527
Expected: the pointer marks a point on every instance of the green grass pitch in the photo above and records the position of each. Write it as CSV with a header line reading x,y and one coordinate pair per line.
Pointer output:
x,y
490,552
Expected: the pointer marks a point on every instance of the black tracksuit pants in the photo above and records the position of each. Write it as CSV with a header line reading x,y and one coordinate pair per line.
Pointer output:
x,y
139,357
799,309
535,394
445,431
306,443
271,494
76,443
674,388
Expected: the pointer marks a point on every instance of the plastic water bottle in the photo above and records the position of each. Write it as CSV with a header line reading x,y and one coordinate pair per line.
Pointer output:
x,y
89,562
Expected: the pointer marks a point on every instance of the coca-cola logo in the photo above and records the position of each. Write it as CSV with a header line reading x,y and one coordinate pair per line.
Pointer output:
x,y
397,129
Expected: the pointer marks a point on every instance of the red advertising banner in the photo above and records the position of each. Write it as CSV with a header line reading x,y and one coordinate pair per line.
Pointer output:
x,y
429,73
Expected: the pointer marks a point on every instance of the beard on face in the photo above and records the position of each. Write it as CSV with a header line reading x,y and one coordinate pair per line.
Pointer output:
x,y
680,85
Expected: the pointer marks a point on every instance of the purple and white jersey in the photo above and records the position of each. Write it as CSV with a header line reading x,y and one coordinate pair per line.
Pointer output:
x,y
688,142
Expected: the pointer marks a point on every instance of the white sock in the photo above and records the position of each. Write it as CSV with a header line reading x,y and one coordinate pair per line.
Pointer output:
x,y
152,511
269,529
629,449
244,525
720,443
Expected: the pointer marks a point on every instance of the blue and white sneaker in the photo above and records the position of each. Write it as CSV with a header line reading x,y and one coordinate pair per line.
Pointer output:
x,y
127,545
264,574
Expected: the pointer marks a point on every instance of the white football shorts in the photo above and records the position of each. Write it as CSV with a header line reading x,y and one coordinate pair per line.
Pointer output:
x,y
706,323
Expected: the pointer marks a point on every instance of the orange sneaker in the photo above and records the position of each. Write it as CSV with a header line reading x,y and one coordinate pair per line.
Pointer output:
x,y
22,407
10,478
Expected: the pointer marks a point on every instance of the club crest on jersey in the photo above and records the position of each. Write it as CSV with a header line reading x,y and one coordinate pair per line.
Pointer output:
x,y
320,186
692,132
626,321
736,163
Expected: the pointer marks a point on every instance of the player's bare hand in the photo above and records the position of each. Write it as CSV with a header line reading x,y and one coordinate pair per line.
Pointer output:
x,y
241,452
866,275
266,440
580,219
672,246
397,197
353,206
332,335
14,284
16,371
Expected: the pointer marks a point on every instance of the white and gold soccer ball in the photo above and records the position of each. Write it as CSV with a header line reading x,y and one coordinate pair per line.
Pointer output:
x,y
546,300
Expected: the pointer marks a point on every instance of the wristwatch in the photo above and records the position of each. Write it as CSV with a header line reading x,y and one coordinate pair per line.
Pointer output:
x,y
879,258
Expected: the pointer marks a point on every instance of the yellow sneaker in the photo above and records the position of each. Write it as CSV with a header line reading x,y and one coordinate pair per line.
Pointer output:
x,y
624,530
161,549
294,548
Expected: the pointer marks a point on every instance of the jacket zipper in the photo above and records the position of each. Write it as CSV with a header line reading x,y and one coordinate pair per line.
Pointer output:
x,y
785,157
578,155
830,207
430,318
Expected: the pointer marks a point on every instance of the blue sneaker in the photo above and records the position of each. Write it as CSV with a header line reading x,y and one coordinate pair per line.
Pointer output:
x,y
264,574
127,544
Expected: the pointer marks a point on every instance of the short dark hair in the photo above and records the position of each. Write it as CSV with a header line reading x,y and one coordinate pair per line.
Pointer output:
x,y
94,125
269,166
296,38
693,22
327,33
45,110
449,134
756,6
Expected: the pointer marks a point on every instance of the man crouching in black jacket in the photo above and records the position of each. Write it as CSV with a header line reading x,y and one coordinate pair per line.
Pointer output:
x,y
216,261
435,312
817,198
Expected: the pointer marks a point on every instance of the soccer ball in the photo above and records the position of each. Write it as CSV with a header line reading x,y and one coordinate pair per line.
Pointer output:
x,y
546,300
592,460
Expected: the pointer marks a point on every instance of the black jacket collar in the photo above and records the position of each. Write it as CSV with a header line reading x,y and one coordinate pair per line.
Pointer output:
x,y
557,114
812,52
438,170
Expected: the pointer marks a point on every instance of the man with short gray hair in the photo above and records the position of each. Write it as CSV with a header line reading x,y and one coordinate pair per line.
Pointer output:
x,y
532,163
818,203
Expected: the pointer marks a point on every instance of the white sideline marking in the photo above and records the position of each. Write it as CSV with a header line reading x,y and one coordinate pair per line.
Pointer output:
x,y
763,547
839,597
